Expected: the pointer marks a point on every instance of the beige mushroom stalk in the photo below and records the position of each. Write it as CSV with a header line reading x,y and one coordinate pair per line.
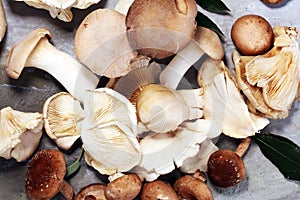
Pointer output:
x,y
60,9
224,106
20,133
271,81
2,22
206,42
35,50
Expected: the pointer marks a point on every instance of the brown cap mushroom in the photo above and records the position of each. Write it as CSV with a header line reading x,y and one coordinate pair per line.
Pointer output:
x,y
159,29
226,168
272,1
158,190
45,176
252,34
94,191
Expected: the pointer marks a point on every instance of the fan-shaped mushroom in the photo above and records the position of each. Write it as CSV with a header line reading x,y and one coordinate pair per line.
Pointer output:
x,y
20,133
35,50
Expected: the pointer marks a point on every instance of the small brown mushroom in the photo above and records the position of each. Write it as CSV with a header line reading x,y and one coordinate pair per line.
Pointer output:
x,y
189,187
252,34
94,191
226,168
45,176
272,1
126,187
158,190
159,29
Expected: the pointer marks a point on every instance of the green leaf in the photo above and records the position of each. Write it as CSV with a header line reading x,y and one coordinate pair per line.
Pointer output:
x,y
282,152
204,21
71,169
213,5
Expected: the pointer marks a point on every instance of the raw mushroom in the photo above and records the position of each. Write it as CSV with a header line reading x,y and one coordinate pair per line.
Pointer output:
x,y
123,6
101,43
124,187
93,191
252,34
62,119
2,22
20,133
160,29
45,176
272,1
226,168
271,81
35,50
60,9
206,42
189,187
158,190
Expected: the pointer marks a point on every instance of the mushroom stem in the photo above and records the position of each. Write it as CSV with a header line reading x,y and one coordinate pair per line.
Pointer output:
x,y
179,65
243,146
2,22
66,190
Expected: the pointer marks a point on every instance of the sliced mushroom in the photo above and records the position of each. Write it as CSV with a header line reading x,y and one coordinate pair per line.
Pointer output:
x,y
189,187
160,29
35,50
93,191
45,176
20,133
60,9
2,22
101,43
127,186
205,42
226,168
62,119
158,190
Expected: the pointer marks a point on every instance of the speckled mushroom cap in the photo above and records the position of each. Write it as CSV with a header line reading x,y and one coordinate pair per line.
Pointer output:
x,y
45,174
159,29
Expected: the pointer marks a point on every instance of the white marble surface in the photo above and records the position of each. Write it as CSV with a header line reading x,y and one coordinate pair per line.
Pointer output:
x,y
264,180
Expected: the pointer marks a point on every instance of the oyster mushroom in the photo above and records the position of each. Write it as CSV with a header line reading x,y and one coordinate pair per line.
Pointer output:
x,y
270,81
20,133
160,29
35,50
60,9
225,168
101,43
45,176
205,42
2,22
62,119
93,191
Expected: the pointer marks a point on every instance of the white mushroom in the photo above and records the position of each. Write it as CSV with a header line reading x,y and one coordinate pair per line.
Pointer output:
x,y
101,43
35,50
206,42
123,6
60,9
20,133
2,22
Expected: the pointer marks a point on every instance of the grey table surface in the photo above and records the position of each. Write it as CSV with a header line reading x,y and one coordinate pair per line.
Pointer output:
x,y
34,87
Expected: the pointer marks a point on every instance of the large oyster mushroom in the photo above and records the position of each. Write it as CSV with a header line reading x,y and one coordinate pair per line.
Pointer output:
x,y
271,81
20,133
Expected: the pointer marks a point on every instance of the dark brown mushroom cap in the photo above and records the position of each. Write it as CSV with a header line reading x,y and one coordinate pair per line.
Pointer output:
x,y
159,29
93,191
225,168
189,187
45,174
158,190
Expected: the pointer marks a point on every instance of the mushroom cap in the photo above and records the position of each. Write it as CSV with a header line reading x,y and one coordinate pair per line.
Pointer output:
x,y
159,29
45,174
225,168
101,43
158,190
252,34
94,191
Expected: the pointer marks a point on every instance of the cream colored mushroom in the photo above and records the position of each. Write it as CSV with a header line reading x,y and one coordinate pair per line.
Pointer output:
x,y
62,119
35,50
101,43
271,81
206,42
2,22
20,133
60,9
